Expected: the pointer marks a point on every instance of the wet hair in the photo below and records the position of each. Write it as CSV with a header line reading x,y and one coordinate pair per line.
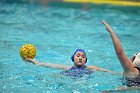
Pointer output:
x,y
78,50
133,57
136,60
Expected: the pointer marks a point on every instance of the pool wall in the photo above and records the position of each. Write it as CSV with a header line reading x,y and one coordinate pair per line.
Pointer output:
x,y
114,2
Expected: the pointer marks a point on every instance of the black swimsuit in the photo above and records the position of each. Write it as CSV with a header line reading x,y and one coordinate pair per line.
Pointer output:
x,y
132,81
77,72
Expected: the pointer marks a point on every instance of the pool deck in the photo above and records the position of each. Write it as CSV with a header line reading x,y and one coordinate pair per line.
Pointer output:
x,y
114,2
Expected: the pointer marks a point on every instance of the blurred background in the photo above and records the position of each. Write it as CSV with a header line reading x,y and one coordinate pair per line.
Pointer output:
x,y
125,2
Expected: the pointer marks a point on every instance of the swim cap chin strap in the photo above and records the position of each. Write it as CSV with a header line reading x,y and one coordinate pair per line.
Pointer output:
x,y
78,50
136,61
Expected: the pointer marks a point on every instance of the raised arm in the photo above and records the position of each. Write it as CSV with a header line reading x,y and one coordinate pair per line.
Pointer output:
x,y
49,65
125,62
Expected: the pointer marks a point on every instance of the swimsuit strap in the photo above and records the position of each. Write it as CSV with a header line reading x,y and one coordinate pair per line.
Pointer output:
x,y
79,67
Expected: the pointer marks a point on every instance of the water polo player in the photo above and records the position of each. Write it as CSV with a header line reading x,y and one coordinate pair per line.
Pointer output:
x,y
79,68
131,67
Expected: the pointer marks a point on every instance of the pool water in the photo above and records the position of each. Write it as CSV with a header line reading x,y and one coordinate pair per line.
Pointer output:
x,y
57,31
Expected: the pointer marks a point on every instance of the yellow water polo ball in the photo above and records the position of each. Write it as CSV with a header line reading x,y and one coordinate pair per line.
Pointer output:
x,y
27,51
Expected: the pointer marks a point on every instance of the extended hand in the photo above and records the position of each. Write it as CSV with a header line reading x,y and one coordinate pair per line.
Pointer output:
x,y
107,26
31,61
28,60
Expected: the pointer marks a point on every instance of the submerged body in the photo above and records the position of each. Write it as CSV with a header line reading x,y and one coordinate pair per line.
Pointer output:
x,y
131,82
77,72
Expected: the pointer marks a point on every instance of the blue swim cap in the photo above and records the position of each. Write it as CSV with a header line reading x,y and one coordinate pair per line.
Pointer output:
x,y
78,50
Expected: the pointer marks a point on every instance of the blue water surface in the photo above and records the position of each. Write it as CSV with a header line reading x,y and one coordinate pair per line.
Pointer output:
x,y
57,32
